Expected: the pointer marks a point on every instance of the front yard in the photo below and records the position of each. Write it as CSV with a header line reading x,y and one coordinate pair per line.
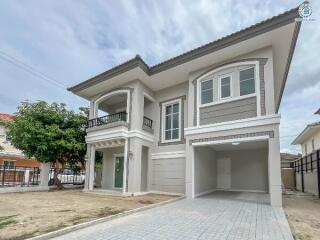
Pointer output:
x,y
24,215
303,213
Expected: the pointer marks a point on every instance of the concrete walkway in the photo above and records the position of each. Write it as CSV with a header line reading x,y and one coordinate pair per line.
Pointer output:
x,y
222,215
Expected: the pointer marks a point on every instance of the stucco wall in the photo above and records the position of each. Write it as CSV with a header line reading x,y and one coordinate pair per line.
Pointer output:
x,y
205,170
249,169
308,142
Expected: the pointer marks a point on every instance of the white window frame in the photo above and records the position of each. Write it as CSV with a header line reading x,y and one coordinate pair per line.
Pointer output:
x,y
212,79
254,80
240,65
9,161
220,85
163,120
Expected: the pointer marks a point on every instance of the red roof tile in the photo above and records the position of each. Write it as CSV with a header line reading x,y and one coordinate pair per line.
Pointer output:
x,y
6,117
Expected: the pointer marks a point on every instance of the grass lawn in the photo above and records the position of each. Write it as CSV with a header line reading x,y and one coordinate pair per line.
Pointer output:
x,y
303,214
24,215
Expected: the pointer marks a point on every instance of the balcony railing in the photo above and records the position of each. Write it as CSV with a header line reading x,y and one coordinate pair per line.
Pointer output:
x,y
147,122
111,118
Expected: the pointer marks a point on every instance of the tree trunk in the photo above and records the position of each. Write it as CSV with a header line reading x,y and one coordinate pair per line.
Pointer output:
x,y
57,181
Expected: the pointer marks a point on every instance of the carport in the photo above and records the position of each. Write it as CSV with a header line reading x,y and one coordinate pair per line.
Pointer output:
x,y
236,166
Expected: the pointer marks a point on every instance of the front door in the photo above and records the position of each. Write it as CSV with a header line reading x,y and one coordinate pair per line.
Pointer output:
x,y
118,172
224,173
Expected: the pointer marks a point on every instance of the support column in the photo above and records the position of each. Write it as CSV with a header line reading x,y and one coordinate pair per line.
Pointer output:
x,y
125,164
44,175
90,167
190,193
274,170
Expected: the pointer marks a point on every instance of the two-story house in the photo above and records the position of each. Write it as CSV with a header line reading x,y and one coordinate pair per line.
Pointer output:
x,y
202,121
309,138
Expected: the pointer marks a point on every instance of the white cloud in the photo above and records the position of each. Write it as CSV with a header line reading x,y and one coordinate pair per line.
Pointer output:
x,y
73,40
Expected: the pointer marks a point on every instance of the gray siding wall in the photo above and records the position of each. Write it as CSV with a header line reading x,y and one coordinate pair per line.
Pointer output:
x,y
168,175
241,109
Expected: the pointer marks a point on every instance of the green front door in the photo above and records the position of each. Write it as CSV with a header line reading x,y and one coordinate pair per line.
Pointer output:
x,y
118,174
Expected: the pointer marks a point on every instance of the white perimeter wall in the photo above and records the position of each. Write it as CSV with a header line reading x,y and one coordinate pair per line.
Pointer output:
x,y
310,182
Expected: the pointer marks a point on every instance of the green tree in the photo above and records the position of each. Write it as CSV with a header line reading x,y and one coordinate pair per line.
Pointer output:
x,y
50,133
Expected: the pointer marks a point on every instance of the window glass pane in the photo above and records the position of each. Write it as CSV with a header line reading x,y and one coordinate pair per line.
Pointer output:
x,y
168,109
175,120
225,81
225,87
206,97
207,85
246,87
206,91
168,135
175,134
247,74
175,108
225,91
168,122
247,81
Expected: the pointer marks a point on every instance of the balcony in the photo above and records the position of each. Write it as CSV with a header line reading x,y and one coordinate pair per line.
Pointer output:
x,y
117,119
120,117
147,124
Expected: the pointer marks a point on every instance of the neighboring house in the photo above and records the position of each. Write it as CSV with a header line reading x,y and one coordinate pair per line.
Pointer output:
x,y
309,138
307,171
205,120
287,170
10,157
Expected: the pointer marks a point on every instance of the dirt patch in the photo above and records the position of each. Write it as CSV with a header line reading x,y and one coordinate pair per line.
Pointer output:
x,y
24,215
303,213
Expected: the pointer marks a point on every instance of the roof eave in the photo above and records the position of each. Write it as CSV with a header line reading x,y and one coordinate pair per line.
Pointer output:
x,y
247,33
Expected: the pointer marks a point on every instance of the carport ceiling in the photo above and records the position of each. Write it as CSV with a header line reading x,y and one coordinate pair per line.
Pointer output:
x,y
241,146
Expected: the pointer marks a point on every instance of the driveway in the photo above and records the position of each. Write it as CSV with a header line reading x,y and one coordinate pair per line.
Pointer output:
x,y
222,215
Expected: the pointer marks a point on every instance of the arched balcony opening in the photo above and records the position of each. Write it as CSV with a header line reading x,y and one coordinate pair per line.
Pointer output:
x,y
111,109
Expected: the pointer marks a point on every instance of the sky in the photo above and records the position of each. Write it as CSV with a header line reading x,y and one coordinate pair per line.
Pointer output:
x,y
48,45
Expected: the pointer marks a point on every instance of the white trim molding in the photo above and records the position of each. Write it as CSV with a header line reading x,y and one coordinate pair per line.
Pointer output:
x,y
218,142
97,101
117,133
169,155
163,120
243,123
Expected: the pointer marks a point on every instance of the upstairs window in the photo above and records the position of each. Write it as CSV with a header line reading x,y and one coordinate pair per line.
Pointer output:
x,y
247,85
172,121
9,164
225,87
206,91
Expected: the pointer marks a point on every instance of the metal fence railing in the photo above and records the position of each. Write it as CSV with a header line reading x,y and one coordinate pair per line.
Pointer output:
x,y
308,164
19,176
116,117
67,176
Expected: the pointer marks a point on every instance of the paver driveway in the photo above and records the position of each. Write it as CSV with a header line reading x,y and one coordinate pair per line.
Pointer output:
x,y
222,215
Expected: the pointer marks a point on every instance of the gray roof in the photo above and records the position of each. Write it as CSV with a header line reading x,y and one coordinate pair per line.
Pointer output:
x,y
305,131
252,31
